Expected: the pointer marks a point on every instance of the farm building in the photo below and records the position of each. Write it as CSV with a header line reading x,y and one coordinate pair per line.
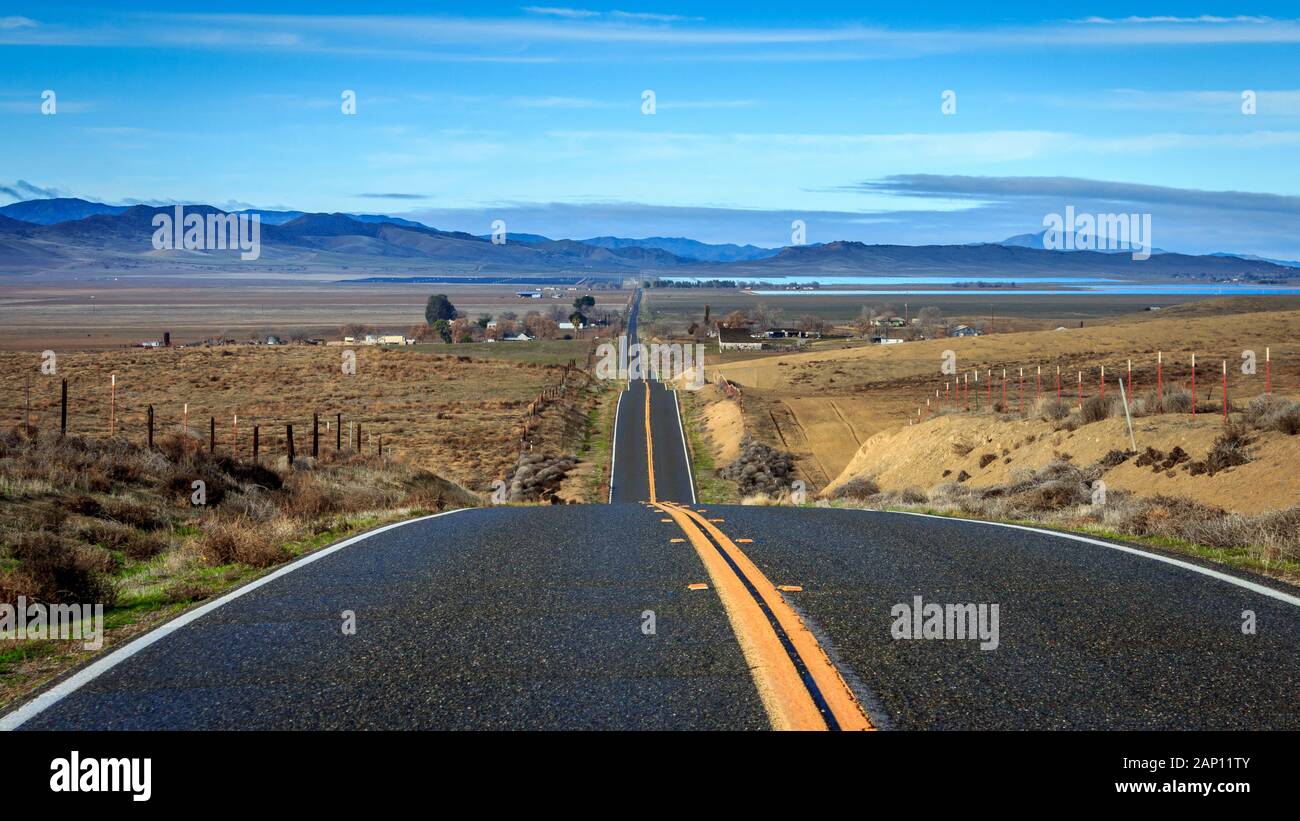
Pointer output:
x,y
737,339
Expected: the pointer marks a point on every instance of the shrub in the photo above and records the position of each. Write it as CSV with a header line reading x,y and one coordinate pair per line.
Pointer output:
x,y
1178,400
1095,409
229,539
1228,450
1274,413
56,569
1051,409
858,488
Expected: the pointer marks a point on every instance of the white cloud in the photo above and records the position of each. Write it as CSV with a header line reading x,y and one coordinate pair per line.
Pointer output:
x,y
555,11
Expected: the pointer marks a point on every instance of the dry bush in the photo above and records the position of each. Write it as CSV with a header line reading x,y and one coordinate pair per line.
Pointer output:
x,y
1051,409
1228,450
1095,409
228,539
861,487
1274,413
56,569
1178,400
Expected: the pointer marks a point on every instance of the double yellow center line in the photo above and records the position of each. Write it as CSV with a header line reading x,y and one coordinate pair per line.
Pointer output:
x,y
801,689
799,685
649,443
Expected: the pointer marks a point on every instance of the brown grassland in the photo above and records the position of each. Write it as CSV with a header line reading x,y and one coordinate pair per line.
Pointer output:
x,y
97,518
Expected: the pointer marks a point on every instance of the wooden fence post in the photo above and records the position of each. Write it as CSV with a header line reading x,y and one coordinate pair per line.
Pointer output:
x,y
315,435
255,442
338,432
288,435
212,434
63,409
150,427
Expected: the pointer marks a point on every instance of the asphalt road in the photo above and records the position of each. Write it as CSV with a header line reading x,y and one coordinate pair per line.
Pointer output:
x,y
680,616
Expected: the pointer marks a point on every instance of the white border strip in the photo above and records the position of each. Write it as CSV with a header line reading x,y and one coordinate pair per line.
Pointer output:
x,y
65,688
690,473
613,446
1263,590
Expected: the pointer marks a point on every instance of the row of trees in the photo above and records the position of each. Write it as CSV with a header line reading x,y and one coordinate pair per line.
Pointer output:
x,y
444,322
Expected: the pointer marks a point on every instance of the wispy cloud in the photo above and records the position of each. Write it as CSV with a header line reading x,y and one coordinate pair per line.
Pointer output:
x,y
393,196
558,11
1066,189
24,190
16,23
546,29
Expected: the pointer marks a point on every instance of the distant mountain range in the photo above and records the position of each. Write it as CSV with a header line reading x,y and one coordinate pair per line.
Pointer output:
x,y
75,235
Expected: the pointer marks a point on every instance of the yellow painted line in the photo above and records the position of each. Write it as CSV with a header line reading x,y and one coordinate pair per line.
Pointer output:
x,y
788,703
835,692
665,520
649,444
744,541
676,541
717,520
697,586
790,588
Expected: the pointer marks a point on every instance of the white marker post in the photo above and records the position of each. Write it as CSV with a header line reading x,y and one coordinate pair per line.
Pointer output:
x,y
1128,417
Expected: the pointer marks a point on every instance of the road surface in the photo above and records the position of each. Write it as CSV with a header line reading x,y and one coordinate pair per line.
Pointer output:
x,y
654,612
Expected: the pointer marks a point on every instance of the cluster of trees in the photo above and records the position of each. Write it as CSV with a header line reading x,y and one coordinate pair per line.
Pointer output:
x,y
444,322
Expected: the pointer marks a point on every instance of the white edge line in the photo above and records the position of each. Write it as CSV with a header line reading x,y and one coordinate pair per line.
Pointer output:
x,y
613,447
690,472
65,688
1195,568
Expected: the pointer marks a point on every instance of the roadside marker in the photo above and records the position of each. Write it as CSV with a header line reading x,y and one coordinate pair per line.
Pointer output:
x,y
744,541
717,520
697,586
790,588
676,541
665,520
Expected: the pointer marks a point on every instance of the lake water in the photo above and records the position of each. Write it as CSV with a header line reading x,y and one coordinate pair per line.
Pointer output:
x,y
1078,286
1086,290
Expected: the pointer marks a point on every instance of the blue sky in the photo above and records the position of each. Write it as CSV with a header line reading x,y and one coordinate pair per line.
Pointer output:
x,y
830,113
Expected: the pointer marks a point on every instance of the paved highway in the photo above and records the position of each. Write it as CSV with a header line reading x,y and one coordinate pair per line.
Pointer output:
x,y
655,612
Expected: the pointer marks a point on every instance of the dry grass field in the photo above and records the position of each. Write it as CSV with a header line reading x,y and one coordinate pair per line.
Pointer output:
x,y
97,518
457,416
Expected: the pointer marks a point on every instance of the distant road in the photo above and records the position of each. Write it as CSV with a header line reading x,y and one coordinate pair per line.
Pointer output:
x,y
648,405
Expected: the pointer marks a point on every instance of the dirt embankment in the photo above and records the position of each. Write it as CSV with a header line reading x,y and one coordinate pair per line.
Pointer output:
x,y
984,451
